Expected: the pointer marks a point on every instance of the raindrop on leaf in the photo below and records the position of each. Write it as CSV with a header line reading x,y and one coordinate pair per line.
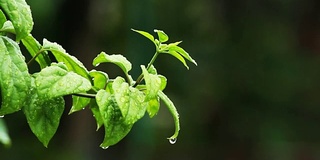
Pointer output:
x,y
1,116
105,147
172,140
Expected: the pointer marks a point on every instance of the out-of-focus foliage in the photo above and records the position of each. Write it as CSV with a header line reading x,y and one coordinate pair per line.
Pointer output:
x,y
254,95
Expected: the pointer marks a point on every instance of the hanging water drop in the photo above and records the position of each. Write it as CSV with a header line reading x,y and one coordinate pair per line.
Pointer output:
x,y
1,116
105,147
172,140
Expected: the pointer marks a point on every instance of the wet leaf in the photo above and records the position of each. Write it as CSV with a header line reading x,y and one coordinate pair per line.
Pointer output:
x,y
15,80
2,18
153,83
78,103
115,127
34,47
153,107
72,63
43,116
100,79
130,101
54,81
163,82
116,59
8,27
19,13
96,113
172,109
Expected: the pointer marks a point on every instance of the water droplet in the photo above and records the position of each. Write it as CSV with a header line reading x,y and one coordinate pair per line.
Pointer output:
x,y
1,116
172,140
105,147
123,100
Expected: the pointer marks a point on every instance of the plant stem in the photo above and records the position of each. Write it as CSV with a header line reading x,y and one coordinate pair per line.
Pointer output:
x,y
128,78
86,95
34,57
140,78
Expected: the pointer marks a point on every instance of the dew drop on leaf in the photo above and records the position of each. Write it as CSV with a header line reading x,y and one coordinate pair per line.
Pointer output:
x,y
173,140
105,147
1,116
123,100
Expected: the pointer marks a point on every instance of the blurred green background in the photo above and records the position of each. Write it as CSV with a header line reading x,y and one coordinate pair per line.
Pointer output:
x,y
255,94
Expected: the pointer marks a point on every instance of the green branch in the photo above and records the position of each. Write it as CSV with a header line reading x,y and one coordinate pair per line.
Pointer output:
x,y
140,78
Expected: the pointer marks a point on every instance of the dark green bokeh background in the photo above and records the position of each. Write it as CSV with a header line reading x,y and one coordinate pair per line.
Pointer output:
x,y
255,94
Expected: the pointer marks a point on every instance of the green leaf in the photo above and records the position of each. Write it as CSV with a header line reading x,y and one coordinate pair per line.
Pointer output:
x,y
163,82
153,83
178,56
61,55
172,109
152,70
4,135
54,81
96,113
182,52
43,116
18,11
174,44
115,128
2,18
117,59
15,80
8,27
78,103
34,48
153,107
130,101
146,34
100,79
163,37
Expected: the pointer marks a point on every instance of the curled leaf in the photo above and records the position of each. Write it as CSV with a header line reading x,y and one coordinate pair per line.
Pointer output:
x,y
117,59
172,109
72,63
163,37
100,79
